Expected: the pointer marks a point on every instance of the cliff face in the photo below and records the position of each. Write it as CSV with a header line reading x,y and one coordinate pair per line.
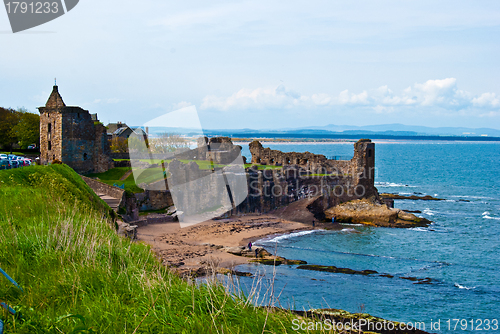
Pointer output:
x,y
270,189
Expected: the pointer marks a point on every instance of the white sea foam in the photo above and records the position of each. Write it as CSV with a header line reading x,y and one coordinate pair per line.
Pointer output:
x,y
474,197
348,230
489,217
279,238
486,213
464,287
420,229
428,212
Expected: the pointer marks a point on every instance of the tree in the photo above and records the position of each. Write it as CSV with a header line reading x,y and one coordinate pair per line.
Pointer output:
x,y
167,143
119,145
27,130
8,120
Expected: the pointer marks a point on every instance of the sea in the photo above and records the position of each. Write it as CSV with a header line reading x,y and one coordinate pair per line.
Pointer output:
x,y
459,251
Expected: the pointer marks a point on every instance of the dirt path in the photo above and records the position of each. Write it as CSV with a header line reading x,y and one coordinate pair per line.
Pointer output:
x,y
127,174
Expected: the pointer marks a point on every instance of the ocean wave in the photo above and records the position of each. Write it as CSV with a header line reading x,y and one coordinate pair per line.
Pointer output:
x,y
420,229
486,215
474,197
464,287
489,217
349,230
279,238
392,184
428,212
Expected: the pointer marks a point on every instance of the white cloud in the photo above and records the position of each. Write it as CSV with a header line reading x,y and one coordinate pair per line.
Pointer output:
x,y
486,100
180,105
440,93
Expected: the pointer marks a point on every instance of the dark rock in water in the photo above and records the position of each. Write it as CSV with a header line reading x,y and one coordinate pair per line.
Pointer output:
x,y
411,197
413,211
463,200
333,269
386,275
279,260
417,280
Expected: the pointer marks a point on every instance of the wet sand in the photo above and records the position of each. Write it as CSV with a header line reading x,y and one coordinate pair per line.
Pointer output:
x,y
193,248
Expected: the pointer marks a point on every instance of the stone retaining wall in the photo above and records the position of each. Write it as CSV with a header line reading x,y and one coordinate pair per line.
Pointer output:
x,y
103,188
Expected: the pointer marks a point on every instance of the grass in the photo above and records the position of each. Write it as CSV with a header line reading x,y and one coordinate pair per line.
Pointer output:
x,y
148,175
57,240
112,177
263,167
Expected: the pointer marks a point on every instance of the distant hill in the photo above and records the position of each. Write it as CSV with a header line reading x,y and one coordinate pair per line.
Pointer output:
x,y
400,129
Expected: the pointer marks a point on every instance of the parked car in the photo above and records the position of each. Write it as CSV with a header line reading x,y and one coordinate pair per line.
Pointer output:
x,y
3,156
27,162
11,157
14,164
4,164
32,147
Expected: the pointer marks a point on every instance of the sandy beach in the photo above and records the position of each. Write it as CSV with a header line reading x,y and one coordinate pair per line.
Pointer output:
x,y
191,249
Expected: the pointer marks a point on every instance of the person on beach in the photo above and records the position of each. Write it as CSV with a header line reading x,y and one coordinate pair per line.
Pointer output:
x,y
256,252
250,245
313,223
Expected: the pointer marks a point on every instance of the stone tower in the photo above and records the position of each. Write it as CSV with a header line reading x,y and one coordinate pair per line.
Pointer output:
x,y
364,165
73,136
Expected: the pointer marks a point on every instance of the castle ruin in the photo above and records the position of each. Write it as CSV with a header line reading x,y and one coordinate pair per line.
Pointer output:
x,y
73,136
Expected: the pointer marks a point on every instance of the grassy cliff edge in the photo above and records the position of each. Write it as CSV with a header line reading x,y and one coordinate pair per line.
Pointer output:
x,y
57,240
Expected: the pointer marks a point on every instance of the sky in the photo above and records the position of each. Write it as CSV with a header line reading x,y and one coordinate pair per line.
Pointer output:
x,y
264,64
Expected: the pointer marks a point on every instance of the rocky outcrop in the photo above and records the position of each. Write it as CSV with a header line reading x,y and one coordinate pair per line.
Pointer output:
x,y
410,197
369,212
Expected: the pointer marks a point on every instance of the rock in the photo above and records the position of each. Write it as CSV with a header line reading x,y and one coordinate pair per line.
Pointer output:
x,y
235,250
333,269
411,197
127,230
371,213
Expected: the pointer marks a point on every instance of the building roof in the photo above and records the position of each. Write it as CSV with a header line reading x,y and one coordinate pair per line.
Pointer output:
x,y
139,131
112,127
55,100
119,131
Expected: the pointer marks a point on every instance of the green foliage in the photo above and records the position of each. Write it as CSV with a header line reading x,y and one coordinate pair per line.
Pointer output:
x,y
27,129
19,127
79,276
263,167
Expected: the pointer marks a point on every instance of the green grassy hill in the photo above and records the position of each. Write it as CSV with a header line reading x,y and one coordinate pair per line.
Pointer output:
x,y
57,240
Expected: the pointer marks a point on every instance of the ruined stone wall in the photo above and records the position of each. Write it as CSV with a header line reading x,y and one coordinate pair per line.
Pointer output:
x,y
332,182
102,152
220,150
361,168
271,189
103,188
266,156
78,140
69,135
154,200
50,137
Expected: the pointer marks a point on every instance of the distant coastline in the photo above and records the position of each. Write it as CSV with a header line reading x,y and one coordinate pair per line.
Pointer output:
x,y
336,137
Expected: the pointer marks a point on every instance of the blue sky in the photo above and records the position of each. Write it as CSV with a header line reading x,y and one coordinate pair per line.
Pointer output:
x,y
264,64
